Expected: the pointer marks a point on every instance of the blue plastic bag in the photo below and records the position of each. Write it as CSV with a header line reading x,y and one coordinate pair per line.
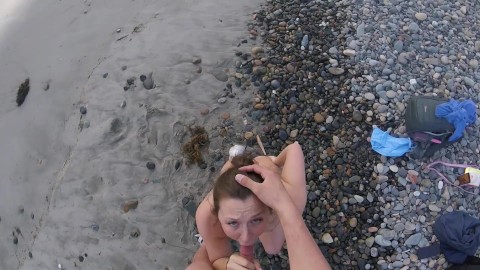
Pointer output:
x,y
389,146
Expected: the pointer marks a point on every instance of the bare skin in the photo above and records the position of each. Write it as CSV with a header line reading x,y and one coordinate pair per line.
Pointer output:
x,y
216,246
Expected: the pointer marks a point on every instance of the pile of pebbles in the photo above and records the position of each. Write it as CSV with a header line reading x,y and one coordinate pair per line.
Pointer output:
x,y
326,72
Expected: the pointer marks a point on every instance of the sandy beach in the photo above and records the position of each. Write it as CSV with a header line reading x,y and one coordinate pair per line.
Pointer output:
x,y
76,150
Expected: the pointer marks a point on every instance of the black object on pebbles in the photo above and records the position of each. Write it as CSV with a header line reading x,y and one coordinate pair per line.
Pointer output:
x,y
81,258
150,165
15,240
83,110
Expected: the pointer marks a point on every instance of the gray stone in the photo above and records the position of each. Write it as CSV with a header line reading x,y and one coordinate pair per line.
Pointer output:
x,y
275,84
391,94
413,240
316,212
369,241
382,108
361,29
399,227
434,208
387,234
358,198
420,16
222,100
382,241
398,46
369,96
374,252
473,63
413,27
357,116
333,50
336,71
468,81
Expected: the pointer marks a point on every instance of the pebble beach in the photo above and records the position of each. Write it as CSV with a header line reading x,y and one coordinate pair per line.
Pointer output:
x,y
97,175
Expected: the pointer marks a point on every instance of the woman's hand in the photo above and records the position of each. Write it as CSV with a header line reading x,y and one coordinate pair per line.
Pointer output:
x,y
237,262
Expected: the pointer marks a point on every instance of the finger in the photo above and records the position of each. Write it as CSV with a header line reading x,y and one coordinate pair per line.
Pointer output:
x,y
257,169
246,182
266,162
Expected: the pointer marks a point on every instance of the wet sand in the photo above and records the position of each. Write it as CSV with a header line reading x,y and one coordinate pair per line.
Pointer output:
x,y
66,175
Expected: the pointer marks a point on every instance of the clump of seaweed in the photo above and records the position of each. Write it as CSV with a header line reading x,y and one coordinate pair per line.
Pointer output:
x,y
22,93
191,149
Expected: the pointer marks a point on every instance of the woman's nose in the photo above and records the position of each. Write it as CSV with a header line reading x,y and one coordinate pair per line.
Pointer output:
x,y
245,236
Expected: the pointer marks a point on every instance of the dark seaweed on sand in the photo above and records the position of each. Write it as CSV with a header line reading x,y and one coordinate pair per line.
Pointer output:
x,y
23,92
191,149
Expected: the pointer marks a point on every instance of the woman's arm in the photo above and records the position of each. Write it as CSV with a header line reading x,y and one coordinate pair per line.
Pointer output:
x,y
215,241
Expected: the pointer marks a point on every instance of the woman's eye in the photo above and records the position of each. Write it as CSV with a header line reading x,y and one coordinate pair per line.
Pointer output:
x,y
257,221
233,223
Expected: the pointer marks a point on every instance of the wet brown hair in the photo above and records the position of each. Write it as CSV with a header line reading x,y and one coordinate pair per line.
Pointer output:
x,y
226,186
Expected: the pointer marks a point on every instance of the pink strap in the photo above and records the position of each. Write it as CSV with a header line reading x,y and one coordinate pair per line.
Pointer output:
x,y
462,187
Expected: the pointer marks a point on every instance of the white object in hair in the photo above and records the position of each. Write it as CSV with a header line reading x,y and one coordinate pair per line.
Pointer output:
x,y
236,150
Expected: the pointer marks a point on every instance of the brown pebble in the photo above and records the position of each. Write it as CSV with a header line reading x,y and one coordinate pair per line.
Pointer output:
x,y
318,118
226,116
129,205
259,106
372,229
204,111
257,62
248,135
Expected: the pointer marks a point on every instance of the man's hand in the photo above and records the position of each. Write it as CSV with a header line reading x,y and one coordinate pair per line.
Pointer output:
x,y
271,192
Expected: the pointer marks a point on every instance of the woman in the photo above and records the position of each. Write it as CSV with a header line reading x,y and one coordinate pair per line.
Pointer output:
x,y
231,212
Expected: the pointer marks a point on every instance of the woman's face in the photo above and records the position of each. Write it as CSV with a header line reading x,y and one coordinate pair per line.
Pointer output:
x,y
243,220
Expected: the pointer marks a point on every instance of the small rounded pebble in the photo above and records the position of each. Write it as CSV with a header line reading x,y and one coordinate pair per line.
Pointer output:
x,y
150,165
83,110
81,258
143,78
203,166
105,75
123,104
124,67
163,240
21,210
15,240
129,205
30,254
32,216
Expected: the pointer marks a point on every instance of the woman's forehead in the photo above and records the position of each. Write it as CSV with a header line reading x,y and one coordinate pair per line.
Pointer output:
x,y
236,207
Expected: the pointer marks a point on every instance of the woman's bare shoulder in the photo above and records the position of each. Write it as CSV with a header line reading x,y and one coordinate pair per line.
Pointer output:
x,y
207,223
